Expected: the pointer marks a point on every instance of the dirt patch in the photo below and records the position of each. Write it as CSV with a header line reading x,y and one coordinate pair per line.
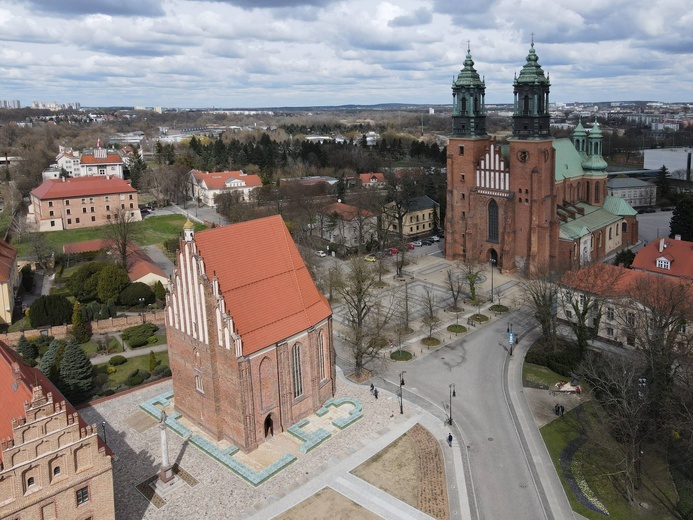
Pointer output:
x,y
542,404
364,376
412,470
327,503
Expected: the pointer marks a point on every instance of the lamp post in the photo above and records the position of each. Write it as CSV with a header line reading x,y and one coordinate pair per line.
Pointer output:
x,y
103,425
511,337
452,394
401,384
493,263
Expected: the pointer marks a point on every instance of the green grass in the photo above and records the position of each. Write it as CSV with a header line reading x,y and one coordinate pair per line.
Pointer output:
x,y
92,347
152,231
457,329
499,308
430,342
601,463
538,376
124,370
401,355
479,317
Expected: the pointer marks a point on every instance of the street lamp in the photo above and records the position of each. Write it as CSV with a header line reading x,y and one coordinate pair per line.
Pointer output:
x,y
103,425
493,263
452,394
511,337
401,384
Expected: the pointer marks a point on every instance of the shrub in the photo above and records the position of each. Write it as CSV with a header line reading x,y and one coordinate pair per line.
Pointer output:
x,y
144,375
117,360
152,361
50,309
112,280
111,370
137,293
159,291
160,370
139,334
107,392
166,372
84,281
152,340
133,373
134,381
100,379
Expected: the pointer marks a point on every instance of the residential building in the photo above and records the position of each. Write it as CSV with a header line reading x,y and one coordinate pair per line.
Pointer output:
x,y
671,257
635,192
536,202
52,463
249,334
421,218
206,186
10,278
372,180
81,202
73,163
347,225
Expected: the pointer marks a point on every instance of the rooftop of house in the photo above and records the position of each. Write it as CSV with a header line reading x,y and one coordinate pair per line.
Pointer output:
x,y
220,180
267,288
82,187
627,182
677,253
346,212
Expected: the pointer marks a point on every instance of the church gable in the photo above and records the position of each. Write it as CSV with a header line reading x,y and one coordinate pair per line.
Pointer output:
x,y
493,172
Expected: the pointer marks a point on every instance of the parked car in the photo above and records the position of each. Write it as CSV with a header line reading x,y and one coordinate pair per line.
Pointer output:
x,y
668,208
394,251
435,238
145,211
411,245
370,258
427,242
321,254
417,243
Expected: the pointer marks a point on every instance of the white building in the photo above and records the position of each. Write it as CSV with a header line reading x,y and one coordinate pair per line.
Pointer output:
x,y
207,185
634,191
89,163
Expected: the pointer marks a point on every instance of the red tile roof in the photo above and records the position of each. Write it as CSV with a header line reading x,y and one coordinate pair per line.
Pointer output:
x,y
217,180
81,187
111,158
367,178
13,396
87,246
346,212
678,252
267,288
8,259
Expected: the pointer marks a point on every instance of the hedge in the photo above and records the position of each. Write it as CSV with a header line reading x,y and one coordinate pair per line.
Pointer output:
x,y
117,360
139,334
134,381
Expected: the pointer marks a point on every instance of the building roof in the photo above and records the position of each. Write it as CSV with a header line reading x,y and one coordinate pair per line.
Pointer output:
x,y
678,252
81,187
101,157
627,182
568,160
8,260
420,203
367,178
618,206
221,180
267,288
594,218
346,212
17,381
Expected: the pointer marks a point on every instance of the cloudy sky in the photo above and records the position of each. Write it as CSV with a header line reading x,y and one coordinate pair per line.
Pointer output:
x,y
267,53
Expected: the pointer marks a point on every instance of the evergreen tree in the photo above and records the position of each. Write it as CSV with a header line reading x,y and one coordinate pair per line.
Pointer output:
x,y
51,309
47,363
75,373
663,187
682,219
112,280
159,291
28,350
624,257
79,327
152,361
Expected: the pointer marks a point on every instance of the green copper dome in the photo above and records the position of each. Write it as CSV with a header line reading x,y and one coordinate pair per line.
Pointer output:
x,y
468,76
532,72
579,130
596,131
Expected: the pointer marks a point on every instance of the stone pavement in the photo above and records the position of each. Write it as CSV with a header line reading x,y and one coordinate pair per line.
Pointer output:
x,y
133,437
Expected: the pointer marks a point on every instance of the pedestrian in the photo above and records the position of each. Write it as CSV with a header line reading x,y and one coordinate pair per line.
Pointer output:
x,y
375,393
372,388
562,410
556,409
450,439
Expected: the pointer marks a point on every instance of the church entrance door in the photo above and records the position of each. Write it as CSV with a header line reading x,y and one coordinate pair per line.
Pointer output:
x,y
493,256
269,426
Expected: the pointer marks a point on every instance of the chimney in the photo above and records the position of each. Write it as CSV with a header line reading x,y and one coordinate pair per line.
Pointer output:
x,y
661,245
677,237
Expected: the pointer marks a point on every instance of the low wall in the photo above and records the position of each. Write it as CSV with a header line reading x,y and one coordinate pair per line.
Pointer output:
x,y
97,327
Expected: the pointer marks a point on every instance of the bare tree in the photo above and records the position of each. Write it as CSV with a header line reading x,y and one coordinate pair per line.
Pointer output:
x,y
121,230
471,271
617,382
42,249
368,313
454,283
541,297
430,318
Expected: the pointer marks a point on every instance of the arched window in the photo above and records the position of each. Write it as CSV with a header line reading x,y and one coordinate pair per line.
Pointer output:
x,y
624,227
463,105
30,481
321,355
493,221
596,192
56,471
587,192
525,106
296,360
199,385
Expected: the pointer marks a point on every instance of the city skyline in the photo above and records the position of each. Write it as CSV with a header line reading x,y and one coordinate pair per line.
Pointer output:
x,y
272,53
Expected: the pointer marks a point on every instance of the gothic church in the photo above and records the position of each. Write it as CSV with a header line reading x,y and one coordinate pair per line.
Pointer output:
x,y
532,203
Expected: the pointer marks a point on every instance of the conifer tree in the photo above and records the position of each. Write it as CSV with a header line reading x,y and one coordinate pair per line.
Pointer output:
x,y
28,350
75,373
79,328
47,364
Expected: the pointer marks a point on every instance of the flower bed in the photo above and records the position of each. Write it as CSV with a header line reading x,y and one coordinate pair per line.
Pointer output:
x,y
572,473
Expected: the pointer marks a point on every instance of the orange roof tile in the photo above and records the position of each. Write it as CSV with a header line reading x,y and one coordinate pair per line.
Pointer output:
x,y
346,212
367,178
265,283
678,252
217,180
87,246
13,396
111,158
81,187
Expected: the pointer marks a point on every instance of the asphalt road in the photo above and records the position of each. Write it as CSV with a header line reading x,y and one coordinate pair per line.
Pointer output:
x,y
652,226
503,483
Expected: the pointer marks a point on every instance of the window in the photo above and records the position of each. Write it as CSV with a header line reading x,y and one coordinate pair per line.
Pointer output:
x,y
50,213
91,200
50,203
93,219
616,229
68,211
69,221
630,319
610,233
84,210
663,263
84,201
610,313
76,221
568,314
630,340
682,328
296,360
108,208
582,300
462,177
56,471
108,217
30,482
492,221
321,355
91,210
462,153
52,223
83,495
102,171
596,192
130,196
122,206
131,205
107,198
67,202
198,384
610,332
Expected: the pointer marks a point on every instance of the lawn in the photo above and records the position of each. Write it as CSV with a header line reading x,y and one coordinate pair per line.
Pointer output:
x,y
152,231
537,376
123,371
600,459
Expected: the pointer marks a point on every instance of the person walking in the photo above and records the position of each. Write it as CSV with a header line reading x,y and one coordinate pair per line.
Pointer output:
x,y
450,439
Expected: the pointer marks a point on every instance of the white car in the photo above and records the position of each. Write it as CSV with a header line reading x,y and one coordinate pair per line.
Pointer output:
x,y
435,238
321,254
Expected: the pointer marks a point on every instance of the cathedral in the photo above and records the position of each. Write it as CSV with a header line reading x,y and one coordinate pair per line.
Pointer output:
x,y
535,202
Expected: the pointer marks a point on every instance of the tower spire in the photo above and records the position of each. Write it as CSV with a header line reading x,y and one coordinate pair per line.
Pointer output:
x,y
531,118
468,101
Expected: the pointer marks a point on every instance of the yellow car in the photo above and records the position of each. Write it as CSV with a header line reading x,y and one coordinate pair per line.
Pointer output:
x,y
370,258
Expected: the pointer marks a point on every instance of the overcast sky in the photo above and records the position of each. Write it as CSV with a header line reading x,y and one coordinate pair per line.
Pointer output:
x,y
267,53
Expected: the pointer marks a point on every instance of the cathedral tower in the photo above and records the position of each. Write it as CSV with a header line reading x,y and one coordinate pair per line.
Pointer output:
x,y
531,118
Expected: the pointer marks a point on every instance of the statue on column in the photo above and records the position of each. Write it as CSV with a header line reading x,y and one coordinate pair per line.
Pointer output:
x,y
166,472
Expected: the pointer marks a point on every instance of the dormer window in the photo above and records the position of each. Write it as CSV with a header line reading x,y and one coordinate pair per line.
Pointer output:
x,y
663,263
